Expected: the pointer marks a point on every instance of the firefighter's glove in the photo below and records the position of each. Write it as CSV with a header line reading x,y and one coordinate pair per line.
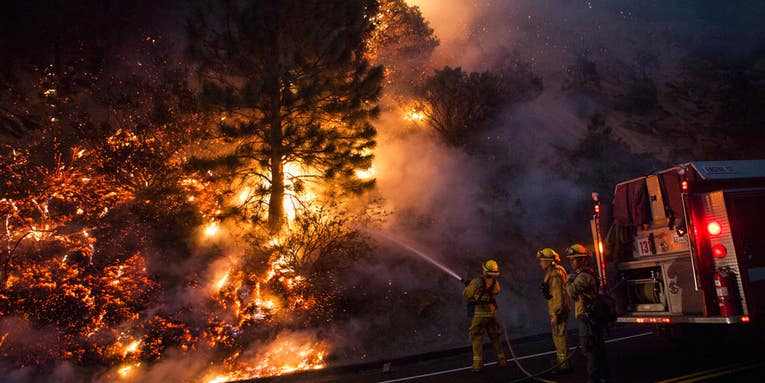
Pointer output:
x,y
544,288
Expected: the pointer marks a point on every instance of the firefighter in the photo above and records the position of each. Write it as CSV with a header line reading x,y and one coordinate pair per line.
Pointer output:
x,y
480,294
553,289
583,288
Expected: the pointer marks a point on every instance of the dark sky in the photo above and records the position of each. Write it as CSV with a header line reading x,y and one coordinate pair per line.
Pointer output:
x,y
38,32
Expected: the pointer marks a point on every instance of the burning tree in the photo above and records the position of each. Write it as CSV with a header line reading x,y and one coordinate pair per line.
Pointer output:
x,y
402,42
101,207
292,86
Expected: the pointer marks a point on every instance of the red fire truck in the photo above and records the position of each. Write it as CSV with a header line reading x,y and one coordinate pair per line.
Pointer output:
x,y
686,245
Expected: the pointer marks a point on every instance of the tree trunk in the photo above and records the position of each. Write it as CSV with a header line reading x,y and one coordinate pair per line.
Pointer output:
x,y
276,201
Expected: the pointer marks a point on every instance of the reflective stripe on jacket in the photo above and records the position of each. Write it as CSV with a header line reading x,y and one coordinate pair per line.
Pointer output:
x,y
482,291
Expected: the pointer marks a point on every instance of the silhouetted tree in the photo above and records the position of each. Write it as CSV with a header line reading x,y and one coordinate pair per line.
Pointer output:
x,y
291,80
457,103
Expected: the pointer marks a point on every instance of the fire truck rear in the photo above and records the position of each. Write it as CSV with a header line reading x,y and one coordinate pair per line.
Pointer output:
x,y
686,245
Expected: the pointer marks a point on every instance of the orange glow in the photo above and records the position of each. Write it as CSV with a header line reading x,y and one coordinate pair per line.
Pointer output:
x,y
366,174
414,115
283,356
127,370
745,319
109,296
222,281
212,229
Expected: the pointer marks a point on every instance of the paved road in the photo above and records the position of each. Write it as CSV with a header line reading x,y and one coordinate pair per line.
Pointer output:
x,y
636,355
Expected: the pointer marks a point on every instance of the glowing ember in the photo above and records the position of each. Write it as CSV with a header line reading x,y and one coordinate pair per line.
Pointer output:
x,y
127,370
83,257
212,229
222,281
132,347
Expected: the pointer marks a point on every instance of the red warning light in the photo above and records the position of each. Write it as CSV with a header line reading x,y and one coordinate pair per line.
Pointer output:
x,y
745,318
713,228
685,185
719,251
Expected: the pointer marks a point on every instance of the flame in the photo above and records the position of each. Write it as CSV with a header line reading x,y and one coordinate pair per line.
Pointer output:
x,y
100,305
212,229
127,370
414,115
285,355
221,379
222,281
244,195
132,348
366,174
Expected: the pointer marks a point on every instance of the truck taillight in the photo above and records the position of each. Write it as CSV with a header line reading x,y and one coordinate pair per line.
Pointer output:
x,y
713,228
719,251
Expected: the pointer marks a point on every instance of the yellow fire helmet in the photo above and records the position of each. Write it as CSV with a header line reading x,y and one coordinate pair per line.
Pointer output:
x,y
491,267
548,254
577,250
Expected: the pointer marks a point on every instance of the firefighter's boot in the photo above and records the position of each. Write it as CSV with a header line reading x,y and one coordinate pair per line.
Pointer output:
x,y
562,369
560,366
499,352
477,355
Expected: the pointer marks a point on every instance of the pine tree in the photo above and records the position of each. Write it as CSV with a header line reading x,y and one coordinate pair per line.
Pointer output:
x,y
402,42
457,103
292,82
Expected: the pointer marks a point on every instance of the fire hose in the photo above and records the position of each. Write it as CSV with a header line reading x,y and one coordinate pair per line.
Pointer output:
x,y
528,374
538,374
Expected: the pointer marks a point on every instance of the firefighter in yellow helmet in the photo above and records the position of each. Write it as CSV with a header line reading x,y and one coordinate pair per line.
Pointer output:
x,y
583,288
553,289
480,294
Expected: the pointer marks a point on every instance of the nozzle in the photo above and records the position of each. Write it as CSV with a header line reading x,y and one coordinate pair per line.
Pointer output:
x,y
464,281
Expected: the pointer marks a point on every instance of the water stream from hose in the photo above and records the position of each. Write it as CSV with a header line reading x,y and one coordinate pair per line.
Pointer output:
x,y
419,253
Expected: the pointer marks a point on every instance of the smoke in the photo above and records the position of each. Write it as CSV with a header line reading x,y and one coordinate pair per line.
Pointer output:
x,y
508,197
503,201
420,178
550,32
